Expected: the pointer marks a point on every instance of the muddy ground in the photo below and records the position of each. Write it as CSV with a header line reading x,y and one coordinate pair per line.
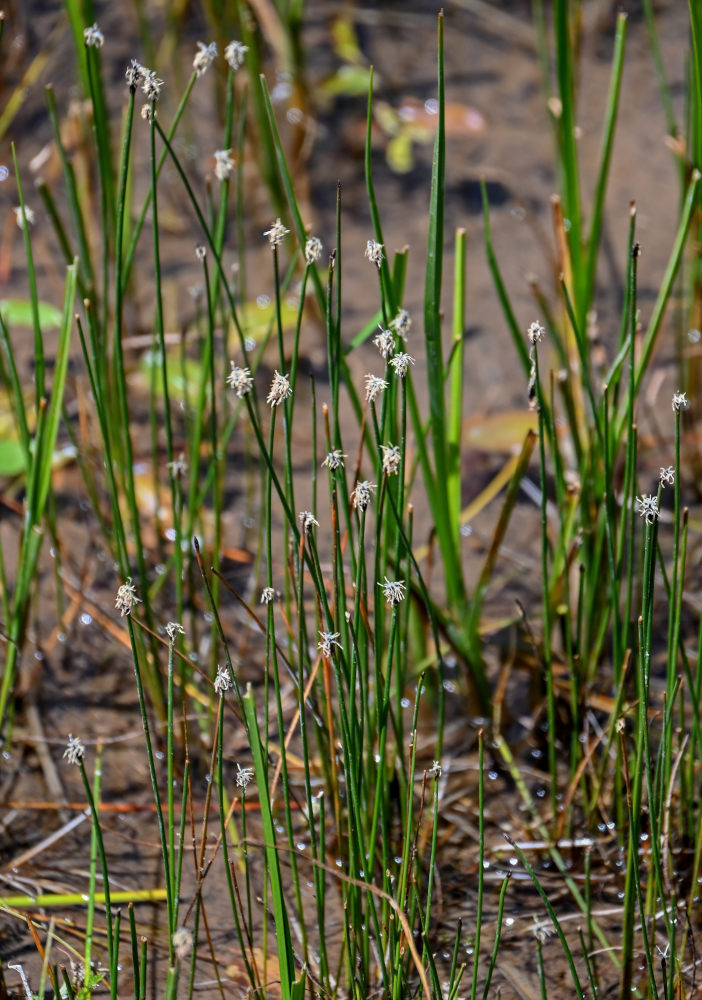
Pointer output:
x,y
77,676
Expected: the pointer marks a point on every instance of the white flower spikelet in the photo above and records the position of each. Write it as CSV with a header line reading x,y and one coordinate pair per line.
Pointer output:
x,y
307,521
277,233
234,54
374,253
374,387
535,333
680,400
647,506
401,324
244,776
204,57
75,751
542,930
224,164
267,595
392,457
334,460
173,630
182,942
280,389
393,591
385,342
401,363
240,380
313,249
178,467
667,476
362,494
151,85
134,74
126,599
327,642
222,681
93,37
23,216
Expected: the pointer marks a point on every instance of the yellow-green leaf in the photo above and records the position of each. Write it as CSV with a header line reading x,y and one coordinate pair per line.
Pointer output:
x,y
18,312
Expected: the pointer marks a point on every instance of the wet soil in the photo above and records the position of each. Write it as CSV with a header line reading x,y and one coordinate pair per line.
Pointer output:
x,y
76,675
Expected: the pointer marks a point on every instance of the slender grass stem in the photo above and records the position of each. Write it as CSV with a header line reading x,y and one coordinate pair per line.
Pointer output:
x,y
546,595
167,859
112,942
481,864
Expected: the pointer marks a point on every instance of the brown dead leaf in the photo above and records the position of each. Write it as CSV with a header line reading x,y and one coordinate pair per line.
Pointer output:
x,y
504,431
461,121
268,971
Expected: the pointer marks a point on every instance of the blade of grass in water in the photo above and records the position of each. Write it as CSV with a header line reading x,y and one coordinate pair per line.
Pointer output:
x,y
76,213
24,218
455,422
696,70
663,85
552,914
290,988
603,173
565,72
38,485
511,319
434,352
388,304
671,270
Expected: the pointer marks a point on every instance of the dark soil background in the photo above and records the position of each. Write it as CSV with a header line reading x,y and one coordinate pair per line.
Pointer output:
x,y
77,676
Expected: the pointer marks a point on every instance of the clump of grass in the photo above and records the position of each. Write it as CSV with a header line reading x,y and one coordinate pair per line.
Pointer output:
x,y
334,818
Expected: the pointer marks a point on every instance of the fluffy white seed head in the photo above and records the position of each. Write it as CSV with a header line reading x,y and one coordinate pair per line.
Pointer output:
x,y
374,253
23,216
224,164
401,363
362,494
647,507
151,85
240,380
393,590
280,389
385,342
182,942
307,521
244,776
391,458
222,681
276,234
334,460
126,599
374,387
327,641
535,333
234,54
680,400
173,630
134,74
313,249
401,324
93,37
205,56
75,751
